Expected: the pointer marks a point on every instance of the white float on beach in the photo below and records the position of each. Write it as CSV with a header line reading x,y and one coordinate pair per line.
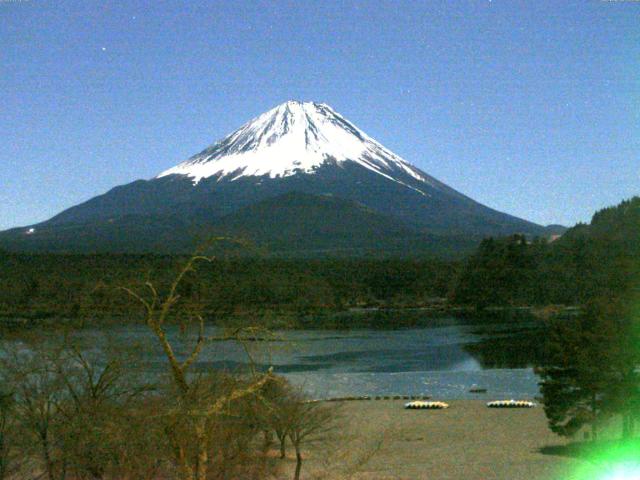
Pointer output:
x,y
419,405
511,404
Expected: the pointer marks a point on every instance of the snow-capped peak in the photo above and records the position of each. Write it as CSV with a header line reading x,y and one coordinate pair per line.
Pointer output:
x,y
294,137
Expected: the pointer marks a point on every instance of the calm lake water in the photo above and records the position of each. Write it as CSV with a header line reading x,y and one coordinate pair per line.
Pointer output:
x,y
444,359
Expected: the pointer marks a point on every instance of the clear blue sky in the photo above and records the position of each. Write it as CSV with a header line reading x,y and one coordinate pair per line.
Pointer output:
x,y
531,107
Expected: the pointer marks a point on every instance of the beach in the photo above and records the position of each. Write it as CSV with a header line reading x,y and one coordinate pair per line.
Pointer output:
x,y
382,440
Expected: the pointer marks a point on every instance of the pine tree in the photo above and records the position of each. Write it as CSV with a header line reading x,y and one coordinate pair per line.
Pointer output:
x,y
591,372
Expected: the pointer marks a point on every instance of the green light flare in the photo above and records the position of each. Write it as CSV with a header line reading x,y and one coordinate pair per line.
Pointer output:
x,y
627,471
610,461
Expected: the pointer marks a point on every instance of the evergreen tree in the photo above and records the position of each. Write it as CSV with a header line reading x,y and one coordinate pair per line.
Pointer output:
x,y
591,371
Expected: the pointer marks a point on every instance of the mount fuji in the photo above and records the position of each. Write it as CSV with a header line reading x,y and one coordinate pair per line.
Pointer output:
x,y
299,179
294,138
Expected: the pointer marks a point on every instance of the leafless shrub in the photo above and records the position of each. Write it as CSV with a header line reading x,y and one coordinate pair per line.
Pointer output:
x,y
9,457
198,405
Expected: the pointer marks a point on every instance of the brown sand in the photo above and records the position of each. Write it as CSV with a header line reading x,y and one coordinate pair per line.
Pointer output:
x,y
382,440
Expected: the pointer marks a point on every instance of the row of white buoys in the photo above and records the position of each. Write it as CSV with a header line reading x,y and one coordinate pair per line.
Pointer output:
x,y
377,397
511,404
346,399
420,405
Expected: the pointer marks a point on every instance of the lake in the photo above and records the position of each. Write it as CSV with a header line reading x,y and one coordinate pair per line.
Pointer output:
x,y
443,359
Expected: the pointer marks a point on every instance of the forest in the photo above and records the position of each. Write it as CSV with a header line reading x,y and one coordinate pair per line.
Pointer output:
x,y
35,288
589,261
589,371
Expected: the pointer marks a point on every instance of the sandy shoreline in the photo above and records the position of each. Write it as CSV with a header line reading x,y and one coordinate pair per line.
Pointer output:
x,y
382,440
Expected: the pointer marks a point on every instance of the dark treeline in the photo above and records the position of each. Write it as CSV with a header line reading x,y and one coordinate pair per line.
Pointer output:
x,y
588,261
589,367
74,286
590,376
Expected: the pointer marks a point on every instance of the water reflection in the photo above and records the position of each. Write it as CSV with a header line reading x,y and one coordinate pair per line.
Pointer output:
x,y
447,346
444,358
518,348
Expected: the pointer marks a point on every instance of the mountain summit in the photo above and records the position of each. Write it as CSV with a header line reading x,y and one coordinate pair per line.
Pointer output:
x,y
294,137
298,179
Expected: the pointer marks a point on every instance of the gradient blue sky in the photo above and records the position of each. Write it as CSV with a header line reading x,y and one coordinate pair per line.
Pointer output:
x,y
532,108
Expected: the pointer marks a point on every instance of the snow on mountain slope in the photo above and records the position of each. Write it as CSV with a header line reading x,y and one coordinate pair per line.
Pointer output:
x,y
270,180
295,137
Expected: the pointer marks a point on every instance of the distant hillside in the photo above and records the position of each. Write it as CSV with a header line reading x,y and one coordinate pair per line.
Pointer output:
x,y
55,286
290,225
601,259
554,229
309,225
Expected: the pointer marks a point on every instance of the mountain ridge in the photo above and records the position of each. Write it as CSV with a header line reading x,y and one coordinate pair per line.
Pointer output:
x,y
301,230
302,147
